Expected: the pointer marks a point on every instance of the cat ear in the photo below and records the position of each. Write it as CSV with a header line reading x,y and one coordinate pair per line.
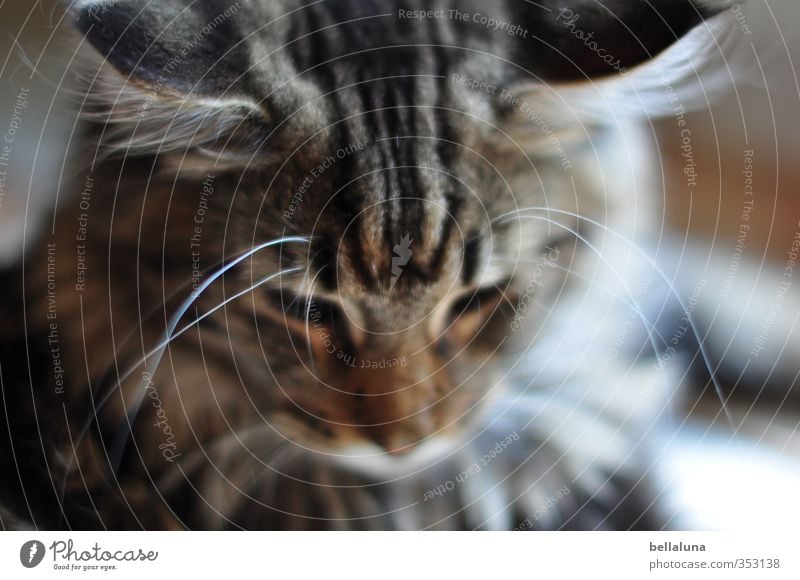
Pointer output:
x,y
596,60
173,75
567,40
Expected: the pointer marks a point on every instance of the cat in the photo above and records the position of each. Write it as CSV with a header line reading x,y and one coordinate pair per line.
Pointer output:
x,y
347,264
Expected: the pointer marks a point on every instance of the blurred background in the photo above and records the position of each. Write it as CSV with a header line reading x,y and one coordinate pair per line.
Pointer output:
x,y
733,221
738,227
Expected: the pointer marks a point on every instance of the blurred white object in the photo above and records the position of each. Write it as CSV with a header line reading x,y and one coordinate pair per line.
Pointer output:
x,y
734,483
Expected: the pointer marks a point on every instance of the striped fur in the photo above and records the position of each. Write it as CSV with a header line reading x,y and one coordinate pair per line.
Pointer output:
x,y
436,354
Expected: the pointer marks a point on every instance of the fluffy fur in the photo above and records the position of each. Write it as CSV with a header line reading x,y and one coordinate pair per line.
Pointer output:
x,y
499,380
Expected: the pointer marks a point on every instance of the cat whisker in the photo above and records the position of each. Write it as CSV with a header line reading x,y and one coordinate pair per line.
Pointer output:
x,y
618,276
650,262
155,355
650,327
160,307
181,311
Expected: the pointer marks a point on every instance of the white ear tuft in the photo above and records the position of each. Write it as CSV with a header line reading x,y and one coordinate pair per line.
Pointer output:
x,y
710,60
167,76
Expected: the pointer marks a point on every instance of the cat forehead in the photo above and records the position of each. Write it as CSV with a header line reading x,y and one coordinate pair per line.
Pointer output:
x,y
397,244
545,38
220,76
367,242
389,202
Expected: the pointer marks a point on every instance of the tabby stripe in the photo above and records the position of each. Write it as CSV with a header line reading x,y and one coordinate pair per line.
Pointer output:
x,y
471,255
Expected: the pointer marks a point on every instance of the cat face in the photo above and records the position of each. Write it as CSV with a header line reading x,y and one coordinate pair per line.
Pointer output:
x,y
387,150
393,324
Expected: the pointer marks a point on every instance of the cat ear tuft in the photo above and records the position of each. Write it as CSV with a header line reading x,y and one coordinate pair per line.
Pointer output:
x,y
705,62
172,76
582,39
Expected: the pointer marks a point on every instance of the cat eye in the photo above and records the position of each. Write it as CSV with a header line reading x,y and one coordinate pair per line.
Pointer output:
x,y
324,312
297,311
481,301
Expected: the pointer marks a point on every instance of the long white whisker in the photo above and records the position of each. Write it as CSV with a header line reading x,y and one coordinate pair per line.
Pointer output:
x,y
617,274
181,311
651,328
157,353
222,304
671,287
160,307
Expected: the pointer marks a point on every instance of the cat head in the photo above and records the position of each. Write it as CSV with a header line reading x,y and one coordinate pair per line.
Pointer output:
x,y
388,148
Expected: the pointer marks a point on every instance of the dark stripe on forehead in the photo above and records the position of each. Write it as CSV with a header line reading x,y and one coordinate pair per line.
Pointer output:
x,y
324,265
308,52
472,253
333,241
443,57
347,219
450,218
396,116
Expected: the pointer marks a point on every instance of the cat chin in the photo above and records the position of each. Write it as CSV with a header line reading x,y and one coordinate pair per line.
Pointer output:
x,y
371,460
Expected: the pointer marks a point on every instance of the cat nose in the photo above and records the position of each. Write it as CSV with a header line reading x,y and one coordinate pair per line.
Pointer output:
x,y
390,407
